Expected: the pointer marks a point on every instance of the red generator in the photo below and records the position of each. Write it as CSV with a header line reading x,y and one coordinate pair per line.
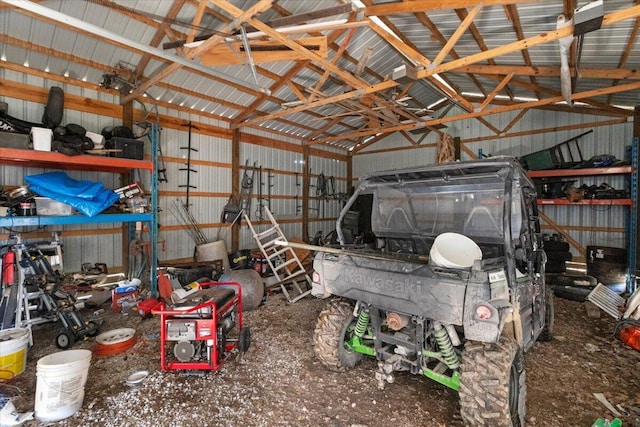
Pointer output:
x,y
200,330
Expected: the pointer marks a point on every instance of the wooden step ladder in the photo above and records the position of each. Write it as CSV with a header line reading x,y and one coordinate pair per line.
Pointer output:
x,y
282,260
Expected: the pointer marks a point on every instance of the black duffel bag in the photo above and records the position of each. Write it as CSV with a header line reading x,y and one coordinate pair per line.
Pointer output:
x,y
11,124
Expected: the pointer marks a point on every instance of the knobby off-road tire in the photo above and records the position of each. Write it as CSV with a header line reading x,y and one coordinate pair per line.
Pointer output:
x,y
329,336
492,384
547,332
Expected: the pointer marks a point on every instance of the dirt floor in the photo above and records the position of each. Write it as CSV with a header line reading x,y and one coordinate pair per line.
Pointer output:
x,y
279,382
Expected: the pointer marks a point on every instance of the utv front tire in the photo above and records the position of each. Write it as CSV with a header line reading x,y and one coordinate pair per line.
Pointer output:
x,y
331,332
492,384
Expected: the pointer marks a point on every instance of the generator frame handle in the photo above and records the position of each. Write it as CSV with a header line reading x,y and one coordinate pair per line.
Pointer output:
x,y
171,314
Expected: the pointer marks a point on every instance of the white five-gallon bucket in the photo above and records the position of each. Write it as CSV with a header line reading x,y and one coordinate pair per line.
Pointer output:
x,y
61,378
41,138
212,252
14,343
454,250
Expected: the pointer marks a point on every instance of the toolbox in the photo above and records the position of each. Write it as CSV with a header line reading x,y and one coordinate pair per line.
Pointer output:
x,y
129,148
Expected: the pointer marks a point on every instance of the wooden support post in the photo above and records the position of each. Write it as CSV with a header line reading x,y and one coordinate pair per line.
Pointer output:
x,y
127,115
235,185
305,194
456,146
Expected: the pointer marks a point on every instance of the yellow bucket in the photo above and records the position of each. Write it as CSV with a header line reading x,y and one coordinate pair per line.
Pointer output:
x,y
14,344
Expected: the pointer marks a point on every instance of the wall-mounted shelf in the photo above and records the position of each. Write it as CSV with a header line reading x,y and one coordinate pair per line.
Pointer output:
x,y
631,204
54,160
552,173
29,221
590,202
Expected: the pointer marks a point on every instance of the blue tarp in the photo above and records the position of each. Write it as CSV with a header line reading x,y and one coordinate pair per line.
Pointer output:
x,y
88,197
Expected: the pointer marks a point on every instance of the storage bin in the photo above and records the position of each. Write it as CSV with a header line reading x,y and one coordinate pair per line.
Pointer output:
x,y
129,148
41,138
46,207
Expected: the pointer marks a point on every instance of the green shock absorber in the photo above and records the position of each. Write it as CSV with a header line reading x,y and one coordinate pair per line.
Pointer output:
x,y
361,324
446,347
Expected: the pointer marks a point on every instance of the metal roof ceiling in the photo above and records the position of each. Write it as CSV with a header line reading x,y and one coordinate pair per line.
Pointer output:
x,y
357,100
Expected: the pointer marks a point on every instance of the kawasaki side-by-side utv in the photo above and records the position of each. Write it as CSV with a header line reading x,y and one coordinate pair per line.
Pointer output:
x,y
449,285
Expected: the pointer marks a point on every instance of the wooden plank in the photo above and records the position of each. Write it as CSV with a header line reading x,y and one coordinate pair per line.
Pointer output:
x,y
610,19
259,7
468,20
227,54
585,73
348,95
581,172
561,231
515,120
13,89
394,8
545,130
497,90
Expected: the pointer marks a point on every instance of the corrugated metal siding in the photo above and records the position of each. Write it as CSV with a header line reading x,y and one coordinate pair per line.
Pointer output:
x,y
603,140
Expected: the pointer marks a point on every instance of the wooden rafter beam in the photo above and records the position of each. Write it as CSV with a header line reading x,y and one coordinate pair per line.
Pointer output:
x,y
561,231
515,120
175,8
259,7
395,8
462,15
631,41
348,95
196,20
289,19
496,91
467,21
489,125
553,92
585,73
610,19
262,51
413,54
543,102
334,61
361,146
520,134
496,110
574,109
512,15
437,35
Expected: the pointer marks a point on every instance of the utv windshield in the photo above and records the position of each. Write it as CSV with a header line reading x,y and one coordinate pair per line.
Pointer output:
x,y
413,208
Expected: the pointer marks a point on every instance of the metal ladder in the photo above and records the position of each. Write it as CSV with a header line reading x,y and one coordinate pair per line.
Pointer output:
x,y
282,260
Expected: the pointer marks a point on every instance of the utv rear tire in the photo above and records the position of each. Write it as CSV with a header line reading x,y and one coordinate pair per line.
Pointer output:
x,y
330,334
492,384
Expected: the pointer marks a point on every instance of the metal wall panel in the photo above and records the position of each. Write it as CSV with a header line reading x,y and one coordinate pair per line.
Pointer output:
x,y
611,139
